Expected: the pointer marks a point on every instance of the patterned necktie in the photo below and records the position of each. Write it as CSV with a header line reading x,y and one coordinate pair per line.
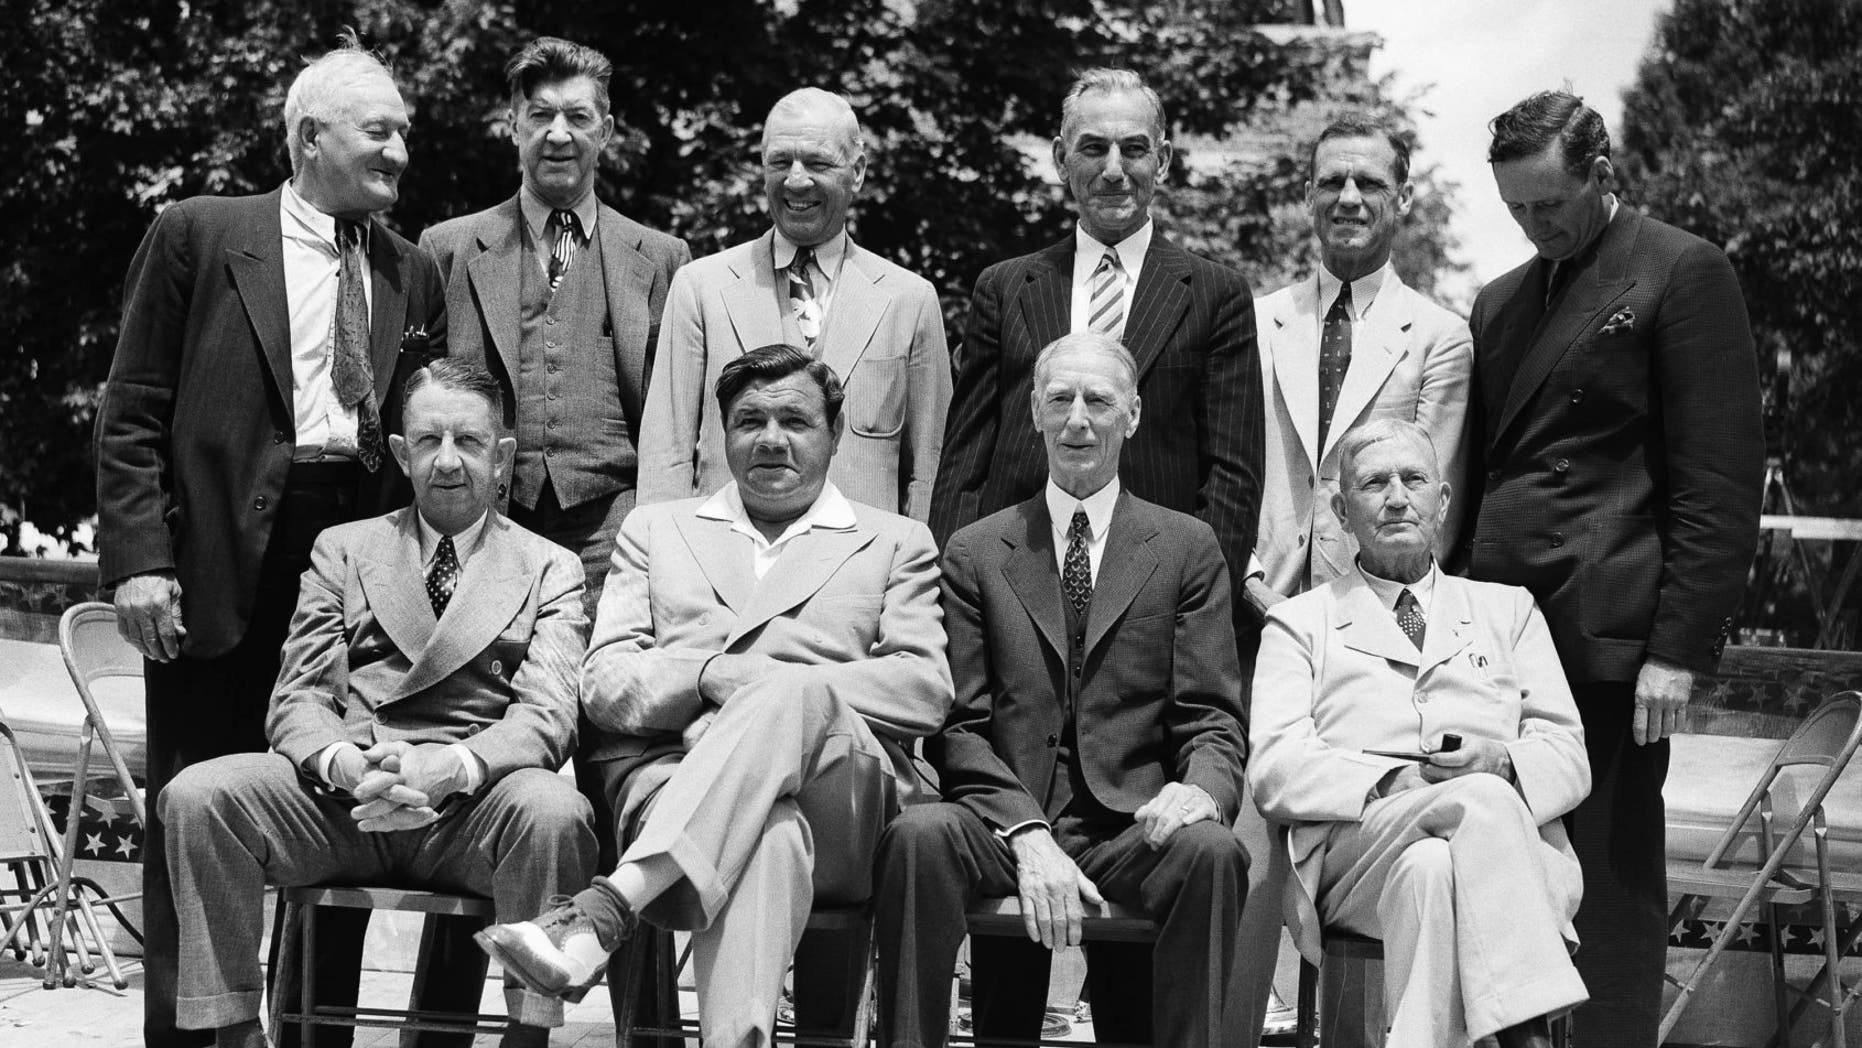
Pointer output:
x,y
1409,616
352,373
443,576
1077,575
1106,309
563,227
802,295
1334,358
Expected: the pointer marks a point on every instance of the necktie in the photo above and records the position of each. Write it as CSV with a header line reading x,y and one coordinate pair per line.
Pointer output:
x,y
1409,616
443,576
802,295
1334,358
1556,274
563,227
1106,309
1076,576
352,373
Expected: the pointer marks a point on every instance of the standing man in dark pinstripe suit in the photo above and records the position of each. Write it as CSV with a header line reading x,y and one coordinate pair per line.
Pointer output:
x,y
1188,322
1619,445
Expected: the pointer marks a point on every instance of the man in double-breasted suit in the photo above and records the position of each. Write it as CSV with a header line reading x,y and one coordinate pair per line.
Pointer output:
x,y
262,340
1349,344
1188,322
805,283
560,296
1620,455
426,699
1457,860
1094,752
761,661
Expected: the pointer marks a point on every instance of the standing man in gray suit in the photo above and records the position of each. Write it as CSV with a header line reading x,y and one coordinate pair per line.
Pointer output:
x,y
560,296
805,283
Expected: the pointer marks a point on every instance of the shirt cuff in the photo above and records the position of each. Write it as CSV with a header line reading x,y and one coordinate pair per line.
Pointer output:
x,y
1011,831
325,761
474,771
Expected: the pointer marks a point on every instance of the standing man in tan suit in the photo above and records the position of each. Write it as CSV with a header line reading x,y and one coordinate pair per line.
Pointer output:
x,y
805,283
758,671
559,295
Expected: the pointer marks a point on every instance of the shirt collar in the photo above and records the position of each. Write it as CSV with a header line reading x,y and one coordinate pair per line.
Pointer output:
x,y
1131,250
828,253
537,213
300,216
831,511
1388,591
1099,506
464,543
1363,290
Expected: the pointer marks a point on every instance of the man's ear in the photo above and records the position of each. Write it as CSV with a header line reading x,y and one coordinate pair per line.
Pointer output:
x,y
1338,509
1441,512
1137,408
839,427
1405,198
1603,171
397,444
503,456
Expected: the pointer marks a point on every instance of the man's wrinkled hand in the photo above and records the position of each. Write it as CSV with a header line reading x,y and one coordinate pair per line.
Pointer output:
x,y
1475,755
383,816
1176,805
1052,889
433,769
696,730
1662,693
148,614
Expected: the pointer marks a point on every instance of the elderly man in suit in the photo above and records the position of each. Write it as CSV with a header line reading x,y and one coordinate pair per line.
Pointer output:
x,y
560,295
1188,321
761,661
427,697
805,283
1457,860
1621,453
1094,752
245,411
1349,344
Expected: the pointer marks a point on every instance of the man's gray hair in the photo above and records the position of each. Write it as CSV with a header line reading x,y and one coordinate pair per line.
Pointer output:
x,y
317,91
1377,431
815,100
1109,81
1087,342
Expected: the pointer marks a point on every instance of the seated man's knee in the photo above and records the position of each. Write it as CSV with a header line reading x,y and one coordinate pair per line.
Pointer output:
x,y
1424,862
550,802
1212,848
1483,792
921,833
210,785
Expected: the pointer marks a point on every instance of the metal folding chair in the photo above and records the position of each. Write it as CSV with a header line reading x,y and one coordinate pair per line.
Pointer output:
x,y
1769,867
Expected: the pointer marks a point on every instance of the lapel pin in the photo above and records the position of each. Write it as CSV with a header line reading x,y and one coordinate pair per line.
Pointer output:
x,y
1621,320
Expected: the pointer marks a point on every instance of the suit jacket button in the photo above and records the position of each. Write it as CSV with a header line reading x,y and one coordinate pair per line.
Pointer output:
x,y
471,731
1493,476
260,503
1053,741
1558,539
278,437
1577,396
1562,465
497,668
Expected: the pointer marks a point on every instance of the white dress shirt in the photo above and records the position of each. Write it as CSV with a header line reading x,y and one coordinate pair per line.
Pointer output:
x,y
831,511
312,270
1363,292
1098,506
1087,251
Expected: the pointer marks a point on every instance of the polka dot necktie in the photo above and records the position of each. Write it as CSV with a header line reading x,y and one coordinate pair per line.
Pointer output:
x,y
1409,616
1076,576
443,576
1334,358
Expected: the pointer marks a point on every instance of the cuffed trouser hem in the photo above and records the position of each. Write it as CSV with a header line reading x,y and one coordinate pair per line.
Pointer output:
x,y
1546,994
223,1009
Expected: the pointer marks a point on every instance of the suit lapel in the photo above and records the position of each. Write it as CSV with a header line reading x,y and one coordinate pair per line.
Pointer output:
x,y
724,558
803,567
255,258
395,586
1296,364
751,301
492,586
387,309
1379,342
1124,568
497,281
854,314
1032,574
1451,622
629,278
1367,626
1592,291
1157,302
1047,299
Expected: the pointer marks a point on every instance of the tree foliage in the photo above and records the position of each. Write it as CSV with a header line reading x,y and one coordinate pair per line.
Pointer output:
x,y
120,107
1745,127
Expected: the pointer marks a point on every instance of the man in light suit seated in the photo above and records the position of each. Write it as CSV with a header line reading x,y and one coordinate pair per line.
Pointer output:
x,y
426,699
1457,860
762,659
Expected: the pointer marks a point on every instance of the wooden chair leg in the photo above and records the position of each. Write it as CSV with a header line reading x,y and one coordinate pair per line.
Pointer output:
x,y
1306,1030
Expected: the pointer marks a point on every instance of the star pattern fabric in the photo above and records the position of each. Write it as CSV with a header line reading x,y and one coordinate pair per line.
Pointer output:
x,y
1077,577
443,576
1409,616
802,295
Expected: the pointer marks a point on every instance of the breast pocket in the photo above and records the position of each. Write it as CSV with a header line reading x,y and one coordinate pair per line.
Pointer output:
x,y
876,397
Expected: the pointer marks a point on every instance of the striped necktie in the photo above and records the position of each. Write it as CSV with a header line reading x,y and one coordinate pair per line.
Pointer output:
x,y
563,228
802,299
1106,309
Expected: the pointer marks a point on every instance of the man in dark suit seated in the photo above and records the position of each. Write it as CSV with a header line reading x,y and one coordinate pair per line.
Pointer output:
x,y
426,699
1094,752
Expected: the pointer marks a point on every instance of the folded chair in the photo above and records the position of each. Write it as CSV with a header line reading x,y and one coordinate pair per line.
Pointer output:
x,y
1764,866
